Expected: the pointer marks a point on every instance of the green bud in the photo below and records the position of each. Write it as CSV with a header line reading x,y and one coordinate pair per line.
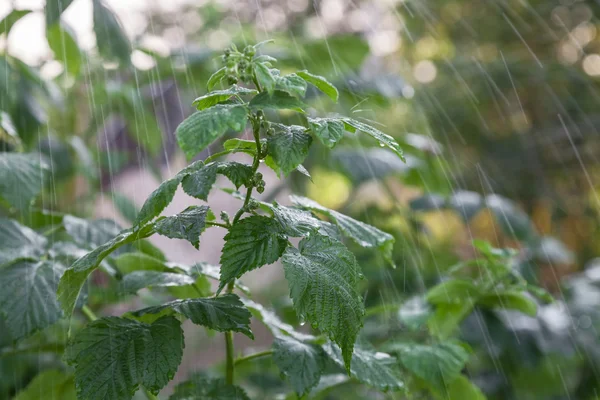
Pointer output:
x,y
250,51
260,189
258,176
232,79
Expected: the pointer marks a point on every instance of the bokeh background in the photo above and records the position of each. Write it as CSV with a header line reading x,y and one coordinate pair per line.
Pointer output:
x,y
494,102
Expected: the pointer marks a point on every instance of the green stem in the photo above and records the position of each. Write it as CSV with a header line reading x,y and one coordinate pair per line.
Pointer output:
x,y
89,313
249,357
149,395
217,224
229,362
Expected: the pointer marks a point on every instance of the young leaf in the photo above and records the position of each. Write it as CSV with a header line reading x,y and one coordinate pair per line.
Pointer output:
x,y
251,243
321,83
511,300
18,241
52,384
223,313
438,364
292,84
200,388
110,37
21,178
278,100
372,368
328,130
200,129
54,8
452,292
302,363
353,125
216,78
323,275
112,356
219,96
142,279
188,225
264,77
158,200
28,296
289,147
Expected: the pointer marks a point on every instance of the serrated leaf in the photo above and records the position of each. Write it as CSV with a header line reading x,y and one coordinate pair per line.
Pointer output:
x,y
111,39
239,174
251,243
437,364
202,388
12,18
372,368
223,313
199,182
51,384
288,147
328,130
295,222
302,363
277,100
363,234
320,83
158,200
61,40
21,178
323,275
112,356
264,77
353,125
216,77
142,279
188,225
200,129
18,241
509,300
219,96
28,296
54,9
292,84
453,291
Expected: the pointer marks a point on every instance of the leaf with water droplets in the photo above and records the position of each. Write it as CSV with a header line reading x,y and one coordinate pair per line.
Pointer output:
x,y
303,363
328,130
188,225
288,147
219,96
278,100
320,83
353,125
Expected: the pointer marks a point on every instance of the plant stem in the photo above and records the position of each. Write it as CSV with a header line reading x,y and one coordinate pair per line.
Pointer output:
x,y
217,224
89,313
253,356
149,395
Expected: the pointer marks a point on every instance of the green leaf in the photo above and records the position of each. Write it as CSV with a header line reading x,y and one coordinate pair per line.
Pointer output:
x,y
12,18
372,368
21,178
353,125
363,234
198,182
111,39
264,77
323,276
158,200
130,262
202,388
54,9
295,222
61,40
321,83
18,241
447,317
462,389
248,146
112,356
216,77
452,292
142,279
414,313
302,363
219,96
278,100
28,296
292,84
437,364
199,130
239,174
188,225
289,147
328,130
511,300
251,243
223,313
51,384
125,206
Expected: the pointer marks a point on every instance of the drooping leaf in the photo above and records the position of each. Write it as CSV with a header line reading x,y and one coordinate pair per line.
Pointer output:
x,y
264,77
323,275
200,129
251,243
64,46
437,364
239,174
363,234
370,367
202,388
21,178
278,100
292,84
302,363
188,225
28,297
295,222
158,200
320,83
18,241
51,384
289,147
353,125
142,279
7,23
328,130
223,313
54,9
110,37
112,356
219,96
509,300
452,292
